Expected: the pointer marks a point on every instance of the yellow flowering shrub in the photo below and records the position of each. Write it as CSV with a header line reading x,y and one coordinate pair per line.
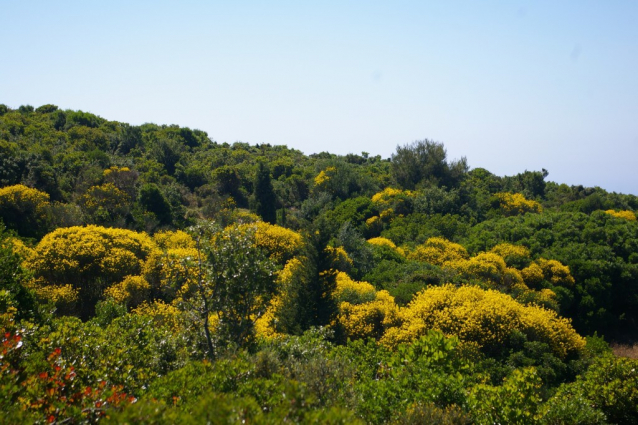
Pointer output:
x,y
163,314
372,221
438,251
352,291
324,176
387,195
393,202
132,291
114,170
281,244
485,265
106,197
285,276
386,242
547,295
512,204
533,274
369,319
374,225
64,297
18,247
513,278
483,317
387,215
169,240
556,272
265,326
89,258
24,209
626,214
552,271
513,255
24,197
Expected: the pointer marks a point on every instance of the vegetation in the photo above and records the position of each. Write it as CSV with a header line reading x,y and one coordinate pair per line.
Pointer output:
x,y
149,274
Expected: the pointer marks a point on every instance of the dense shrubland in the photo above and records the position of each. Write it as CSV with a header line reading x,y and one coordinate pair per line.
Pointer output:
x,y
150,274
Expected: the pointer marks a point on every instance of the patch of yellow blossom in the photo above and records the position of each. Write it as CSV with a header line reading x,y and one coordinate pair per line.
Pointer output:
x,y
352,291
387,195
547,296
324,176
391,202
132,291
285,276
551,270
438,251
386,242
18,247
533,274
19,193
370,319
374,225
107,197
115,169
281,244
363,312
163,314
490,268
493,267
169,240
512,254
340,258
515,204
24,199
485,317
626,214
486,266
265,325
387,215
88,255
64,297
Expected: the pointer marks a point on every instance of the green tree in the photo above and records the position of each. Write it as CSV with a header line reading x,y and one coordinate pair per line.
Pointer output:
x,y
264,197
234,283
423,163
315,297
152,200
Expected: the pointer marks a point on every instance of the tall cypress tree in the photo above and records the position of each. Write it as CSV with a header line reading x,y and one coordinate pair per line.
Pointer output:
x,y
309,300
264,195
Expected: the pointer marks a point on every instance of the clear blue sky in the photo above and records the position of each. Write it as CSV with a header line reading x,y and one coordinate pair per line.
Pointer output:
x,y
511,85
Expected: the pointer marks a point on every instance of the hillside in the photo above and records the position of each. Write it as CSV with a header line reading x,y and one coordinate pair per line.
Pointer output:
x,y
151,273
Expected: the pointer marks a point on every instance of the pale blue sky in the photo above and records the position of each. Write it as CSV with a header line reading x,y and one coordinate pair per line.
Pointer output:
x,y
511,85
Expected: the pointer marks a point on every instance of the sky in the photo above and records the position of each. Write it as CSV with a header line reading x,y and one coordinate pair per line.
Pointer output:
x,y
510,85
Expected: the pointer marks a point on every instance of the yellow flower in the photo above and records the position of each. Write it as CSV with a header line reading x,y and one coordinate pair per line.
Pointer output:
x,y
438,251
626,214
132,291
386,242
484,317
515,204
324,176
281,244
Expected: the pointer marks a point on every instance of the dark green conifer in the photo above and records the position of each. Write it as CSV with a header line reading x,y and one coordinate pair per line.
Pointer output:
x,y
265,198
